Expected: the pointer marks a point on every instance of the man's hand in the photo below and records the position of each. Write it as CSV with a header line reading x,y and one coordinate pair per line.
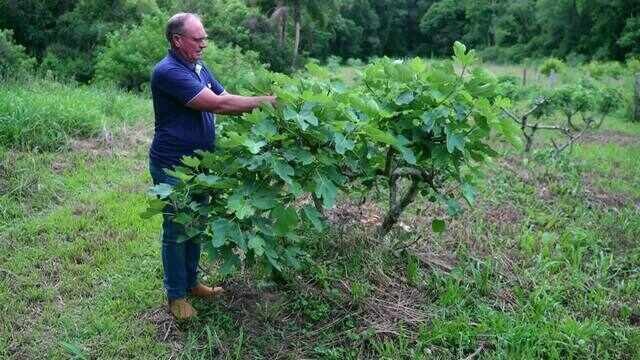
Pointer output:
x,y
272,100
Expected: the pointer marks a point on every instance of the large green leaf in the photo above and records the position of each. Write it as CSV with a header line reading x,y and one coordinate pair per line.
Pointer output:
x,y
220,231
378,135
284,170
265,128
455,141
264,199
254,146
256,243
469,193
154,207
405,98
342,144
286,219
230,262
191,161
305,118
240,205
299,154
314,216
326,190
161,190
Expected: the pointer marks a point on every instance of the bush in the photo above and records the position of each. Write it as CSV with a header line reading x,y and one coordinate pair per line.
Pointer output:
x,y
13,59
510,87
552,65
354,62
234,23
599,70
42,114
130,54
505,55
67,63
633,65
334,62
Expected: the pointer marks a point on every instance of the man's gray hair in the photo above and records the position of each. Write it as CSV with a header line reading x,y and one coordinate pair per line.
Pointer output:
x,y
175,25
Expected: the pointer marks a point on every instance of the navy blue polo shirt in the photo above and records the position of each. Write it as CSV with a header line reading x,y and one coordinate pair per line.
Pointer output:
x,y
180,130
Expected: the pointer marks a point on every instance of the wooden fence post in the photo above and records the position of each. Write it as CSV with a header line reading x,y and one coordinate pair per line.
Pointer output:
x,y
636,100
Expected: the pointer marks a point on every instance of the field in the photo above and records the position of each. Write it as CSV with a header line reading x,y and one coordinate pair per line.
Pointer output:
x,y
546,265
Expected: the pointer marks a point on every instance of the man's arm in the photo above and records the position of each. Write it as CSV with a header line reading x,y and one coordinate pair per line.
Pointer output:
x,y
226,103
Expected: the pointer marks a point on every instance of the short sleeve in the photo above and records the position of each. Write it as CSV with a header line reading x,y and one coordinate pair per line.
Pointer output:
x,y
178,83
216,87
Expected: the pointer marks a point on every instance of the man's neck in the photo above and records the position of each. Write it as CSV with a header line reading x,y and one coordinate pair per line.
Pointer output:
x,y
191,64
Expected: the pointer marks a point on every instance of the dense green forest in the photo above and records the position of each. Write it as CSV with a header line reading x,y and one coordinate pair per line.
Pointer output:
x,y
70,37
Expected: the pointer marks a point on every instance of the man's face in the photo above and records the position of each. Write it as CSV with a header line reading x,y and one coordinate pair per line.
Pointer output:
x,y
192,41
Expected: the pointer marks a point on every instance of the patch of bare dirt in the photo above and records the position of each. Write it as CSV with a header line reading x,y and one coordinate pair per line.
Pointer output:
x,y
514,165
393,306
602,197
167,330
60,165
350,213
632,316
610,137
84,209
243,298
442,261
504,299
503,215
7,166
109,143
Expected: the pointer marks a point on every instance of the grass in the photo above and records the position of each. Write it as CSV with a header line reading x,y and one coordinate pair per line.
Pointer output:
x,y
44,114
544,266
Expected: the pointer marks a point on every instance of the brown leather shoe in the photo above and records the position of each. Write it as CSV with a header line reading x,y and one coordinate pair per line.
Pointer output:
x,y
181,309
204,291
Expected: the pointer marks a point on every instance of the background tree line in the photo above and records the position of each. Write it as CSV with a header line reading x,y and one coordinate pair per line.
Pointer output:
x,y
69,37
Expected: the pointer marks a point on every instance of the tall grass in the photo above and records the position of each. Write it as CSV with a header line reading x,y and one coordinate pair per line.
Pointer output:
x,y
44,114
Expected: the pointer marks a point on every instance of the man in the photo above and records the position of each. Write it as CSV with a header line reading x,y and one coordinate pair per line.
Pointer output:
x,y
185,96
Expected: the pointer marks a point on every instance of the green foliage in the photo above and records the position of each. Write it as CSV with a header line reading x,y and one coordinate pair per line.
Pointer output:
x,y
633,65
130,54
612,69
510,87
443,23
42,114
84,29
13,59
428,124
585,99
630,37
235,23
552,65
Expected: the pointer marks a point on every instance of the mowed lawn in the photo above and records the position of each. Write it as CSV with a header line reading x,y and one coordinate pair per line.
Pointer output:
x,y
546,265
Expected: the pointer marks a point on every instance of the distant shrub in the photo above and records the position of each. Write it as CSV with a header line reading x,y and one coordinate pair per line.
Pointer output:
x,y
334,62
633,65
13,59
43,114
130,54
67,63
599,70
505,55
574,59
510,87
355,62
552,65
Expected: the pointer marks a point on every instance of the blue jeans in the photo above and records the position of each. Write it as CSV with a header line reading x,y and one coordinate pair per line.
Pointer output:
x,y
179,259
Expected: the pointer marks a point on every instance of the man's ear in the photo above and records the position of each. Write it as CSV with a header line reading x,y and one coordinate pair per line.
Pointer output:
x,y
175,40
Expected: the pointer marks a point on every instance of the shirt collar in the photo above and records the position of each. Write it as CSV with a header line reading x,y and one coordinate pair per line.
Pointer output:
x,y
195,67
